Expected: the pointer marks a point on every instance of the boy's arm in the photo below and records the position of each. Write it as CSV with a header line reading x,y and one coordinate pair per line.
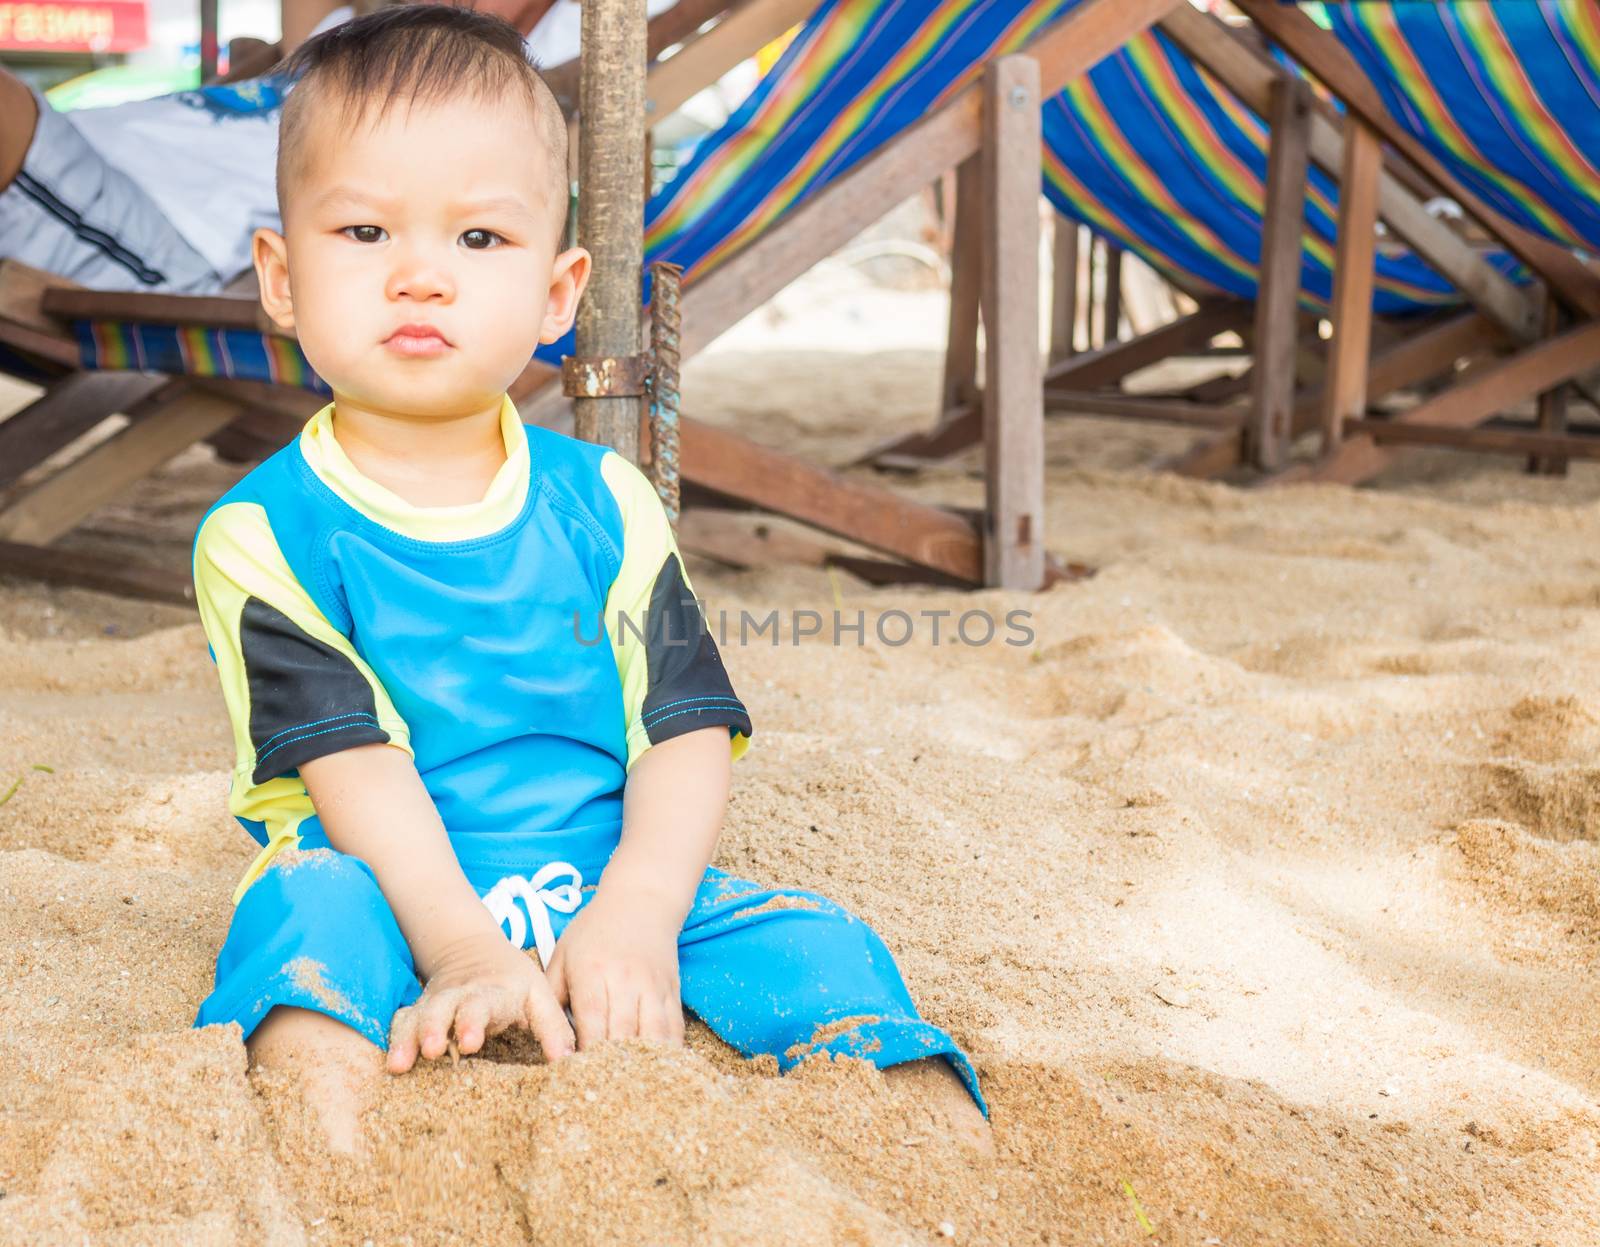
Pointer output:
x,y
374,806
617,962
672,811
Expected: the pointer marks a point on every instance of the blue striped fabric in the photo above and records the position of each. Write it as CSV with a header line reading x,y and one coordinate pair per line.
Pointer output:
x,y
1509,98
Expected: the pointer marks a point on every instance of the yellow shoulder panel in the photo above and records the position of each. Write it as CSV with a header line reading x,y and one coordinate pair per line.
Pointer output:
x,y
236,558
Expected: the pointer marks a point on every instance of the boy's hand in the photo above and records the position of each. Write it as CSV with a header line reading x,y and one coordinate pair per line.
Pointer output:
x,y
480,986
616,966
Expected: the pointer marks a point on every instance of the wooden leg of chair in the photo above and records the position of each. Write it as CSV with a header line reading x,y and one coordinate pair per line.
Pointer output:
x,y
1013,403
1064,290
966,258
1278,292
54,506
64,412
1553,402
1345,394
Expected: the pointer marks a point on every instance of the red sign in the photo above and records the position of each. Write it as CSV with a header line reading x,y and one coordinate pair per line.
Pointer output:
x,y
73,25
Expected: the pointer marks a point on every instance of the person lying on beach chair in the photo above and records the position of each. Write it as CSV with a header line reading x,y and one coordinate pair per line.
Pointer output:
x,y
474,707
160,196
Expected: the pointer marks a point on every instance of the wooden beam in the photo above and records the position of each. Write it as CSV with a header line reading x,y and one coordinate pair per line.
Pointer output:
x,y
1249,75
1155,410
966,279
737,37
87,571
64,412
828,220
1493,389
210,311
666,29
1277,319
1111,363
1089,33
1552,403
1013,411
1537,444
680,22
1426,353
22,288
1063,290
1327,58
1111,295
870,515
1353,275
54,506
961,426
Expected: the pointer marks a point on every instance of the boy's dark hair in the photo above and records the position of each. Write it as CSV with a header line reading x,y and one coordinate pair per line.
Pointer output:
x,y
415,53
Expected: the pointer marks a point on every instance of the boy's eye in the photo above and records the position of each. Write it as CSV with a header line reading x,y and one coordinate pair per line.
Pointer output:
x,y
481,239
364,233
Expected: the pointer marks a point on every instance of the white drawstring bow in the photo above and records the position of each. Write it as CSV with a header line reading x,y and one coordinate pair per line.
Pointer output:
x,y
539,896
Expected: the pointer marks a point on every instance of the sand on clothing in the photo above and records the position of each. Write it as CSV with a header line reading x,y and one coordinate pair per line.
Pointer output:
x,y
1261,888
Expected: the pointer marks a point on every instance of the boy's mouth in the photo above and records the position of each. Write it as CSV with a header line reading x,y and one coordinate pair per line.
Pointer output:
x,y
415,340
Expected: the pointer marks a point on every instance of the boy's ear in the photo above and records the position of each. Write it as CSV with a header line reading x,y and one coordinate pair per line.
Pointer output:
x,y
568,277
271,257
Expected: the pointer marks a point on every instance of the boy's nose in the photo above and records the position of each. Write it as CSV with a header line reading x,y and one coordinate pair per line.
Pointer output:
x,y
420,278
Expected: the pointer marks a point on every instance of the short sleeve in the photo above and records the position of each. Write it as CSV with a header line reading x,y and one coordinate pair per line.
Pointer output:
x,y
673,678
294,685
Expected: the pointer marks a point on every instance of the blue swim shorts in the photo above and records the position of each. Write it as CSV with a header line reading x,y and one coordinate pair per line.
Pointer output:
x,y
774,971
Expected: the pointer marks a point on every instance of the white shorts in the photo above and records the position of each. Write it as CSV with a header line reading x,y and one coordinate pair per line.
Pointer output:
x,y
72,214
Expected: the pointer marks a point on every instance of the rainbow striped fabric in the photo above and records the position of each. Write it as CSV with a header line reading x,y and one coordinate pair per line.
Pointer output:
x,y
1506,95
1152,152
195,351
1146,149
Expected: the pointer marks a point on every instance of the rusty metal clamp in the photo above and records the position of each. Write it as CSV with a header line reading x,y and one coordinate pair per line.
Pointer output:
x,y
609,376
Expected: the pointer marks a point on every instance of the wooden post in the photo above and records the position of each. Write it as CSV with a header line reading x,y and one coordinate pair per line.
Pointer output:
x,y
1064,290
1093,325
1013,405
1277,320
1553,402
1249,75
1345,393
966,261
1111,306
55,505
611,94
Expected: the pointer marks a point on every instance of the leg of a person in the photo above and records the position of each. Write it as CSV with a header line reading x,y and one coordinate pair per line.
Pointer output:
x,y
332,1066
63,209
19,114
313,969
791,973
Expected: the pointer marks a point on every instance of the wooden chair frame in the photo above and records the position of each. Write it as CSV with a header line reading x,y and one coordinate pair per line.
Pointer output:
x,y
1297,386
995,123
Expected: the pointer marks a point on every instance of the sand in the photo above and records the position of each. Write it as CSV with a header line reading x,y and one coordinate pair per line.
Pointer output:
x,y
1261,888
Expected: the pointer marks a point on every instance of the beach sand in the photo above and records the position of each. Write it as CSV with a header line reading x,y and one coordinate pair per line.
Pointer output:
x,y
1261,887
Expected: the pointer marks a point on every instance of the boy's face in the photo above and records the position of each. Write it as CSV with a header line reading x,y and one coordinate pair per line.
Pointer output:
x,y
418,262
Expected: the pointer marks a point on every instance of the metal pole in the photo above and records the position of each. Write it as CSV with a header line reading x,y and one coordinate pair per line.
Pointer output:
x,y
611,96
666,336
208,40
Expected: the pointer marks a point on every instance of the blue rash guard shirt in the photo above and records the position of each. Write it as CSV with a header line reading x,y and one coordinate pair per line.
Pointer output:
x,y
526,649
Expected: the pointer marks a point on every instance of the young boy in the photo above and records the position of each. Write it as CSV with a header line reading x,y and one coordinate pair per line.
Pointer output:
x,y
445,759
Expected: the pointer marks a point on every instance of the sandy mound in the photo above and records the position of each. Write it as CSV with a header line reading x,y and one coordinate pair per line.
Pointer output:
x,y
1262,888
